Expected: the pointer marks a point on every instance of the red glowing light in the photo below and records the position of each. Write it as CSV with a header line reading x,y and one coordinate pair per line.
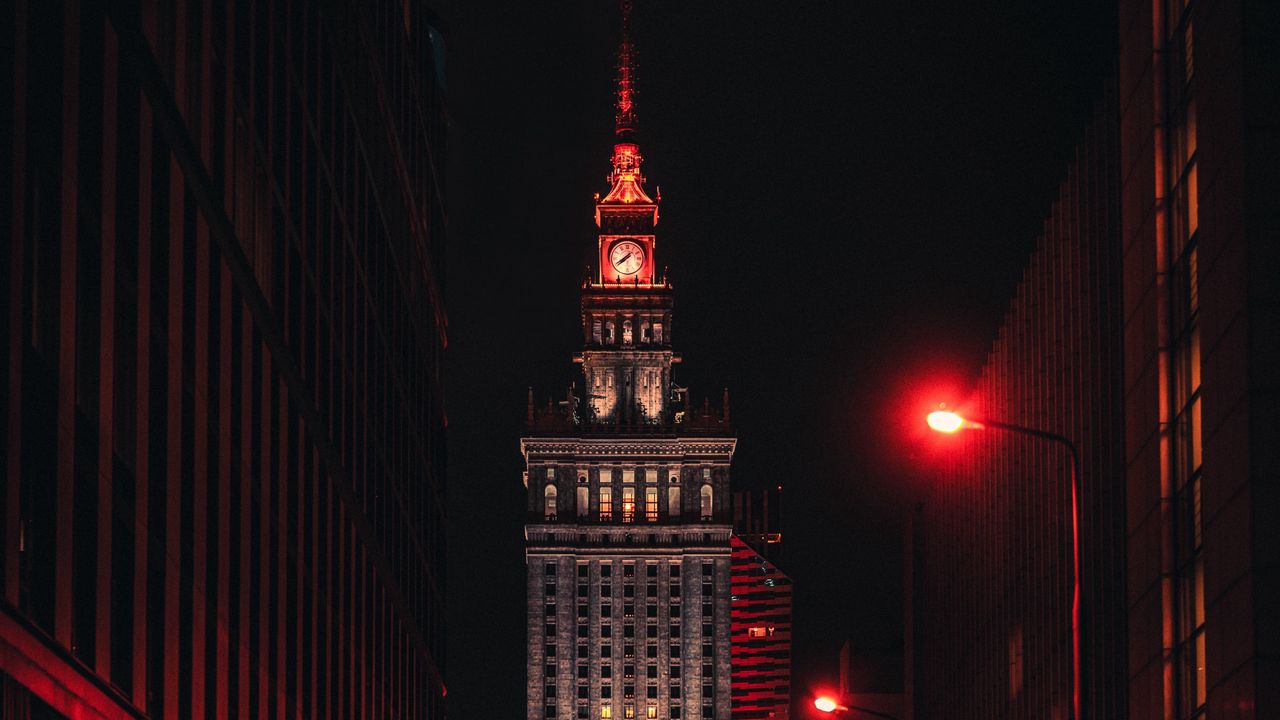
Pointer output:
x,y
945,421
826,704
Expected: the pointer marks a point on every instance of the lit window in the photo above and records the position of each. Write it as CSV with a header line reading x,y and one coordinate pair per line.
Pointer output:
x,y
549,508
653,711
628,504
651,504
657,332
630,712
706,502
608,332
759,631
595,332
606,711
626,332
606,503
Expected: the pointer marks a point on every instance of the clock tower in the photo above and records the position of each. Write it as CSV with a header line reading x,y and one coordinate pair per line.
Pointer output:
x,y
627,536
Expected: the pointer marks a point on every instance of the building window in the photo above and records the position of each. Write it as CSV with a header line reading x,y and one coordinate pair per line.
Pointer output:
x,y
549,507
584,498
595,332
652,711
706,502
608,333
630,711
673,501
628,504
651,504
606,503
657,332
626,332
606,712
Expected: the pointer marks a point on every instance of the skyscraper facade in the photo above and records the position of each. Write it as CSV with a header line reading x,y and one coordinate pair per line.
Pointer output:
x,y
1191,424
1201,207
760,607
221,327
627,538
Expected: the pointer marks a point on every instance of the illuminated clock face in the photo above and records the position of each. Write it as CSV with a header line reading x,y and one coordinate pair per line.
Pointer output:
x,y
627,257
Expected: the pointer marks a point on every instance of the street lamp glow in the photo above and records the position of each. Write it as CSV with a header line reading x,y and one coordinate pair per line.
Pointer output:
x,y
945,421
826,704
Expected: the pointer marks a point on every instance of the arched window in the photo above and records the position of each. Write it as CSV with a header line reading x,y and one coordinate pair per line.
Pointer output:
x,y
584,498
626,332
706,501
673,501
549,507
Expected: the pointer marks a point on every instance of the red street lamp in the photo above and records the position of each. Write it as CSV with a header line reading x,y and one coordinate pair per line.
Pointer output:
x,y
950,422
828,704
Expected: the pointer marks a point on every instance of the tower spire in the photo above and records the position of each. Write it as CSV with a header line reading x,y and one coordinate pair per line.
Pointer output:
x,y
625,119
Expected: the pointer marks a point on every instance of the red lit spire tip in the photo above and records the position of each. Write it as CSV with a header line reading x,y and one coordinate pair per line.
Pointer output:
x,y
625,120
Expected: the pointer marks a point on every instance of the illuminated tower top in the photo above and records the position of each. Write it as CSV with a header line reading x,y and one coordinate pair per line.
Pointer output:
x,y
625,120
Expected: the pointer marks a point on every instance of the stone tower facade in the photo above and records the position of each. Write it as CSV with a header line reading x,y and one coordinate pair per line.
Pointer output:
x,y
629,509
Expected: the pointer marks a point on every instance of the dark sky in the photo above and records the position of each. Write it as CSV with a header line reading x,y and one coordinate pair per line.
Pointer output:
x,y
850,190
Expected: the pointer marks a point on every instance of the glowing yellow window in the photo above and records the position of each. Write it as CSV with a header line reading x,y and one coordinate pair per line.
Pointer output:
x,y
653,711
606,711
630,711
628,504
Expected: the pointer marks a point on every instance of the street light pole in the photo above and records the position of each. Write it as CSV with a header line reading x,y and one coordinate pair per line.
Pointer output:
x,y
950,422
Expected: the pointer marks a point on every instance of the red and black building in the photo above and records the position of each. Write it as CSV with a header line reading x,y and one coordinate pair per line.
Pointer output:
x,y
760,610
221,328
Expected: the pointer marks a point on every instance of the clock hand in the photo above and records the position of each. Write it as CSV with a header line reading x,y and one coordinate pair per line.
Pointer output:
x,y
624,258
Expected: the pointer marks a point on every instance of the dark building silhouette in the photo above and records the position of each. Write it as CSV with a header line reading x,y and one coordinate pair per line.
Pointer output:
x,y
221,327
872,679
1147,329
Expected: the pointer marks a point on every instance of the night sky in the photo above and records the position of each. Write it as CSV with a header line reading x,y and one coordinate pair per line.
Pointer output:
x,y
850,191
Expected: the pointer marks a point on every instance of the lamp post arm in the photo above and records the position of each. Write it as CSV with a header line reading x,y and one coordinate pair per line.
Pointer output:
x,y
873,713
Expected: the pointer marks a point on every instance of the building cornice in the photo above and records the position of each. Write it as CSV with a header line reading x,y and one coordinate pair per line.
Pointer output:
x,y
620,447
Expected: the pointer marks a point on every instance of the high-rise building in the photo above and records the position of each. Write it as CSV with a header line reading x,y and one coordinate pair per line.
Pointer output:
x,y
627,539
1200,199
221,328
1177,432
760,608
